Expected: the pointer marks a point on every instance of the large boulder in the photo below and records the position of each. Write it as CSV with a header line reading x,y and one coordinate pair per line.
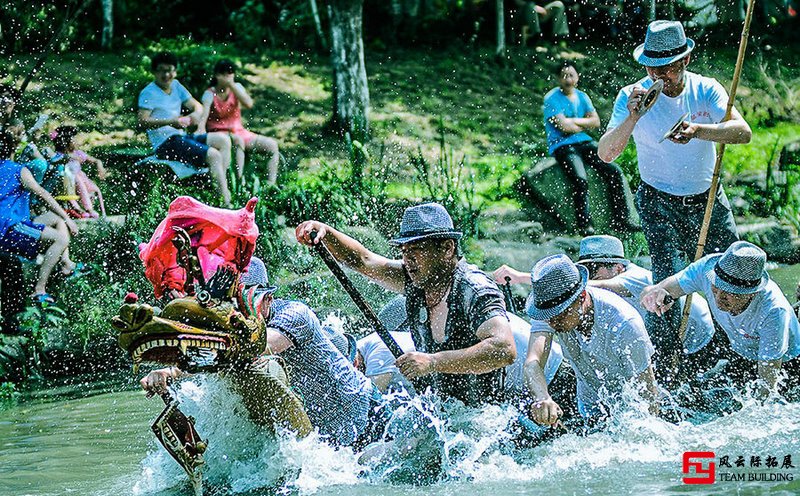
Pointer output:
x,y
547,197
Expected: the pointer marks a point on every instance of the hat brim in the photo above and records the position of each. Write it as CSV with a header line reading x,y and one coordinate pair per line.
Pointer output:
x,y
603,260
263,289
537,313
737,290
639,56
436,235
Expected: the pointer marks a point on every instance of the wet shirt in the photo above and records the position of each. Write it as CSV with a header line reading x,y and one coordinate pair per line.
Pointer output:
x,y
670,167
378,360
766,330
617,351
336,396
699,329
163,106
473,299
556,102
14,198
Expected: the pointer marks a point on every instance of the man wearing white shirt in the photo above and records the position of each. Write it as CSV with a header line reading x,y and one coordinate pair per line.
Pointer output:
x,y
159,112
676,172
747,305
604,257
602,337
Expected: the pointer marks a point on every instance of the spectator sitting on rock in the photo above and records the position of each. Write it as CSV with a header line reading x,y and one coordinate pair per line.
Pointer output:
x,y
160,104
568,113
221,113
23,237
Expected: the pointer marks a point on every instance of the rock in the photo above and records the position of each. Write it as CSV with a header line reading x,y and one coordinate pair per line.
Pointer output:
x,y
779,241
525,232
546,196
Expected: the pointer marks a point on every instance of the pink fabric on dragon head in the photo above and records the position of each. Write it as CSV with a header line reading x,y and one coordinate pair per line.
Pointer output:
x,y
220,236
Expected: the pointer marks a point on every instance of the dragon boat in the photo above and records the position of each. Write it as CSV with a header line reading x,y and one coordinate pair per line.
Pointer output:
x,y
209,323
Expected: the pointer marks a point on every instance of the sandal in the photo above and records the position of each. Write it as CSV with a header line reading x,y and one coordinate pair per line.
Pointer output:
x,y
42,298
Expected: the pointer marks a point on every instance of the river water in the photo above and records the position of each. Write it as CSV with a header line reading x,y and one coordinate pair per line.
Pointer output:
x,y
93,439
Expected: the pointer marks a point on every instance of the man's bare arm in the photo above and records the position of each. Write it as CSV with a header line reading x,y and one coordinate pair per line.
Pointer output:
x,y
147,121
768,371
384,271
647,380
495,350
733,131
615,140
543,410
654,298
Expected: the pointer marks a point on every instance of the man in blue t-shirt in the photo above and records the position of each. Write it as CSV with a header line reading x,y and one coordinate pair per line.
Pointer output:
x,y
160,104
568,113
755,315
18,234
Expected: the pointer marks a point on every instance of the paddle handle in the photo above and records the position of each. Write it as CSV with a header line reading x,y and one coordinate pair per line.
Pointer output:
x,y
357,298
712,191
510,306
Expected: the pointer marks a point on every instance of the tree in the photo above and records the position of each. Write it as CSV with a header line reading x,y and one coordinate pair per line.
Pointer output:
x,y
350,90
108,24
500,51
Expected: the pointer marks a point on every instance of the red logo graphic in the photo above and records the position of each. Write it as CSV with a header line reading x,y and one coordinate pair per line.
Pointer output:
x,y
694,460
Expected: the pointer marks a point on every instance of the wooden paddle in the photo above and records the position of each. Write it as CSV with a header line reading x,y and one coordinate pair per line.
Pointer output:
x,y
712,192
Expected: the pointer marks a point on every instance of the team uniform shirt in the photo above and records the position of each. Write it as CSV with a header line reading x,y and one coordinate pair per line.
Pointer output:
x,y
163,106
766,330
617,351
556,102
699,329
670,167
336,396
378,360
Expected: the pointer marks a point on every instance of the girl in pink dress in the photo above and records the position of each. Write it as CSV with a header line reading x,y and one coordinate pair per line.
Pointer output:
x,y
65,141
221,112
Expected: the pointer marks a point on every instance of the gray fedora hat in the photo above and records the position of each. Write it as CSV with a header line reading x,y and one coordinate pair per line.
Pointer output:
x,y
256,275
601,248
426,221
342,341
555,283
664,43
740,270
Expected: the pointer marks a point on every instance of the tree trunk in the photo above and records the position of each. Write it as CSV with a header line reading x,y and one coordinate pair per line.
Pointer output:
x,y
501,29
651,10
318,24
108,24
350,91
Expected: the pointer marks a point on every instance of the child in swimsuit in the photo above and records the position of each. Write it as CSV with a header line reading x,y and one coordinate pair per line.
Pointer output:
x,y
65,140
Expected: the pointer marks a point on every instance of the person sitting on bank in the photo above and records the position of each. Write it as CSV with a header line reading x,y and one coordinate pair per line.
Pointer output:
x,y
21,236
568,114
221,113
456,313
533,15
160,104
378,361
602,337
339,400
748,306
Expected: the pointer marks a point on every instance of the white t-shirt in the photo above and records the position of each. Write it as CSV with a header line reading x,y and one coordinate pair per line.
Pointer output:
x,y
163,106
515,373
699,329
618,350
766,330
667,166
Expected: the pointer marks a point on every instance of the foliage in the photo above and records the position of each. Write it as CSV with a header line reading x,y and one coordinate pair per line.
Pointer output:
x,y
451,183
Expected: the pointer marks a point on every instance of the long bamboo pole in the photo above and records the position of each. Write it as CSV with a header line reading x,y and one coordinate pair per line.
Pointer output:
x,y
712,192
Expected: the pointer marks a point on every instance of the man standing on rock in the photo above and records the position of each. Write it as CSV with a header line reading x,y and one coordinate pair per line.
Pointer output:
x,y
456,313
676,168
